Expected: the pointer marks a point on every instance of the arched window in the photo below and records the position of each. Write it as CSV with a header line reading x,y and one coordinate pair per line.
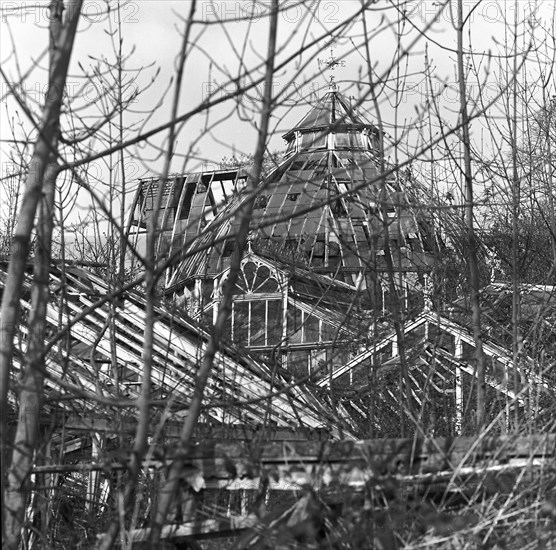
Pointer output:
x,y
255,278
256,319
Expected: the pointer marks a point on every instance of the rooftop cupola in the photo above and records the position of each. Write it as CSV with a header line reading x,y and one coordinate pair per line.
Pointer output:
x,y
332,124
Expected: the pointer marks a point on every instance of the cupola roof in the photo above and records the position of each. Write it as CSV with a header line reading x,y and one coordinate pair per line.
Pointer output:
x,y
333,109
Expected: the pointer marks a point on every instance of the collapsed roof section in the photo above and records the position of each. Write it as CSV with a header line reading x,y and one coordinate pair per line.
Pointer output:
x,y
189,203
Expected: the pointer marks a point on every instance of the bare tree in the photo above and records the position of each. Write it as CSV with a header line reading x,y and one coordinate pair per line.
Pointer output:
x,y
124,344
42,174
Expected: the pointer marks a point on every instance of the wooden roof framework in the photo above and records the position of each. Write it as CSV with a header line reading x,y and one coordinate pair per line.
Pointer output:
x,y
80,373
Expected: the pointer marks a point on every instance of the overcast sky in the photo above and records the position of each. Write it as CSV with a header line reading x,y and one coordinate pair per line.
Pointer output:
x,y
152,31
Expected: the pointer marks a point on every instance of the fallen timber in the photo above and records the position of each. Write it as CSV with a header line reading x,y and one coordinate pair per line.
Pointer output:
x,y
419,468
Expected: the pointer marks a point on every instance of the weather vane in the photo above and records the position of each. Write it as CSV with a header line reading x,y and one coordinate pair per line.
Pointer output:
x,y
331,64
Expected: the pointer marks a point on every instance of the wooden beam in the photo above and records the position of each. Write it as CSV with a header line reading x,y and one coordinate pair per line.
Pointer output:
x,y
351,462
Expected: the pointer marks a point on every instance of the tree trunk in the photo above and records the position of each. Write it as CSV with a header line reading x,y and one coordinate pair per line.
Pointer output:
x,y
40,181
474,282
32,378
